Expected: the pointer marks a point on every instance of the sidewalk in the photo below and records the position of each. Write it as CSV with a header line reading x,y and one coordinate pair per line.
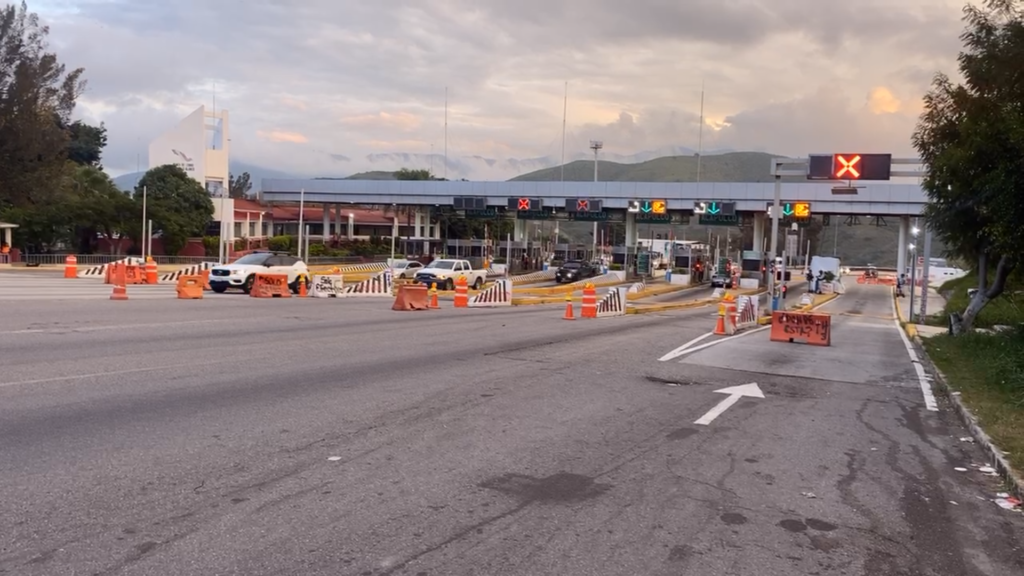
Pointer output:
x,y
936,303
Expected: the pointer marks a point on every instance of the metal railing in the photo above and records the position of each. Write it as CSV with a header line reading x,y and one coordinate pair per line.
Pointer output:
x,y
97,259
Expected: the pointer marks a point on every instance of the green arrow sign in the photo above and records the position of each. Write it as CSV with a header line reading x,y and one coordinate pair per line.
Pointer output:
x,y
787,209
646,208
713,208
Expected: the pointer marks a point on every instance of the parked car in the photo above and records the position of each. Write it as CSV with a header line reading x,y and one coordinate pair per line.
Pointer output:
x,y
445,271
575,271
721,281
405,268
241,273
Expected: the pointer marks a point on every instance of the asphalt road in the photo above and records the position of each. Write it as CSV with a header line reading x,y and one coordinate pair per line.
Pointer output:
x,y
307,437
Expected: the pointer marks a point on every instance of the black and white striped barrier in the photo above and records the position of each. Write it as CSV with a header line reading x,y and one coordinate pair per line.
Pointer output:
x,y
374,267
328,286
613,303
101,270
194,270
638,287
498,295
378,286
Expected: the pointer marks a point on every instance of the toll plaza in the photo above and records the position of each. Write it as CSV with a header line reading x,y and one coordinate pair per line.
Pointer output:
x,y
829,186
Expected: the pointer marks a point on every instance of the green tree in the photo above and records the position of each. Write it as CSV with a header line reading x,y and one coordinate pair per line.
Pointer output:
x,y
971,140
94,205
409,174
34,90
86,143
179,207
239,187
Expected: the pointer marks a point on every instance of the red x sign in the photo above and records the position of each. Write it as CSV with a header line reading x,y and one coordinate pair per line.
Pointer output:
x,y
583,205
847,167
524,203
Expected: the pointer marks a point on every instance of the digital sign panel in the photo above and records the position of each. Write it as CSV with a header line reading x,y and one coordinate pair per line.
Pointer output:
x,y
648,206
714,208
849,166
525,204
792,210
583,205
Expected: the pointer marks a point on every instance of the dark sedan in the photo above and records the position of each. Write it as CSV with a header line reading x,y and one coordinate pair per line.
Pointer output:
x,y
575,271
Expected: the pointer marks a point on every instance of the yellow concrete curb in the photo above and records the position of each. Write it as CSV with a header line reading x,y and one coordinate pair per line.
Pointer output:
x,y
652,308
565,288
543,300
659,290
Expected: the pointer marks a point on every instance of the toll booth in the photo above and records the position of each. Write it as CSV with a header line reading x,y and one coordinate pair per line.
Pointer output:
x,y
419,247
467,249
514,252
624,256
568,252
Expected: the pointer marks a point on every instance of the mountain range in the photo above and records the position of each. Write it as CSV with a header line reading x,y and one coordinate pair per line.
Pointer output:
x,y
473,167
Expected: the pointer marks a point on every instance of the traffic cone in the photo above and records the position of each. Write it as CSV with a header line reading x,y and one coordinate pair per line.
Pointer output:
x,y
568,308
433,296
720,325
302,287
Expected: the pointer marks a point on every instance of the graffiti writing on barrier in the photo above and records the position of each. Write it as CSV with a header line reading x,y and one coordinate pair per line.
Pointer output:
x,y
814,328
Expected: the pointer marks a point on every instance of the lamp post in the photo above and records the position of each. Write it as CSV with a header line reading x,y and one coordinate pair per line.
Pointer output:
x,y
596,146
913,271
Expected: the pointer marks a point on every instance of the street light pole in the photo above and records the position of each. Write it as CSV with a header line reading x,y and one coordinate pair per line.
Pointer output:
x,y
596,146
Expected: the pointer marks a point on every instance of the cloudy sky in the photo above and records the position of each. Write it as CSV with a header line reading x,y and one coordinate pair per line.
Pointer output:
x,y
315,87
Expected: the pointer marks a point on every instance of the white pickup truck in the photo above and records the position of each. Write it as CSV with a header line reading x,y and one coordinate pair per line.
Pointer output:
x,y
445,271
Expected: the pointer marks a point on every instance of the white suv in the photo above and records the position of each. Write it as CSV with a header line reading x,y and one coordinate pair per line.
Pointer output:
x,y
241,273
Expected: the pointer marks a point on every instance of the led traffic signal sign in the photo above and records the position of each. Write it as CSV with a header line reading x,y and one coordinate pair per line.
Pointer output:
x,y
523,204
648,206
714,208
792,210
583,205
850,166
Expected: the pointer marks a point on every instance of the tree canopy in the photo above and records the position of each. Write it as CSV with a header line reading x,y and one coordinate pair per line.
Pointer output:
x,y
37,98
179,207
971,140
239,187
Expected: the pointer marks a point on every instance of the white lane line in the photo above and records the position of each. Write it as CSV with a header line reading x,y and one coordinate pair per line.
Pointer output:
x,y
682,349
113,373
686,350
62,329
922,377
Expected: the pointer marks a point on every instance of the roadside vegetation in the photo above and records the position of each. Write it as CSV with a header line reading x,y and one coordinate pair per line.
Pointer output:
x,y
973,167
987,366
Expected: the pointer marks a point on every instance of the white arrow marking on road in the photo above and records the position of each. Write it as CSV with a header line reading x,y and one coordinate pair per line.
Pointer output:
x,y
735,393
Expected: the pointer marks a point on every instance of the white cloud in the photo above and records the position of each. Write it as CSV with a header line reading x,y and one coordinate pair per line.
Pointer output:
x,y
311,84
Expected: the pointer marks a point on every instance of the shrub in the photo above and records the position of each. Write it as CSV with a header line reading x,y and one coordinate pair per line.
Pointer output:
x,y
614,266
211,245
280,243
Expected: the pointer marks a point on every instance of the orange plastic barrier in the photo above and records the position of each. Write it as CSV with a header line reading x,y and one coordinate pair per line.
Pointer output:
x,y
71,266
411,297
461,293
133,274
190,288
205,274
808,327
271,286
117,278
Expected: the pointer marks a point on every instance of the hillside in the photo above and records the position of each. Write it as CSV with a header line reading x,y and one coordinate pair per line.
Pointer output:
x,y
730,167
